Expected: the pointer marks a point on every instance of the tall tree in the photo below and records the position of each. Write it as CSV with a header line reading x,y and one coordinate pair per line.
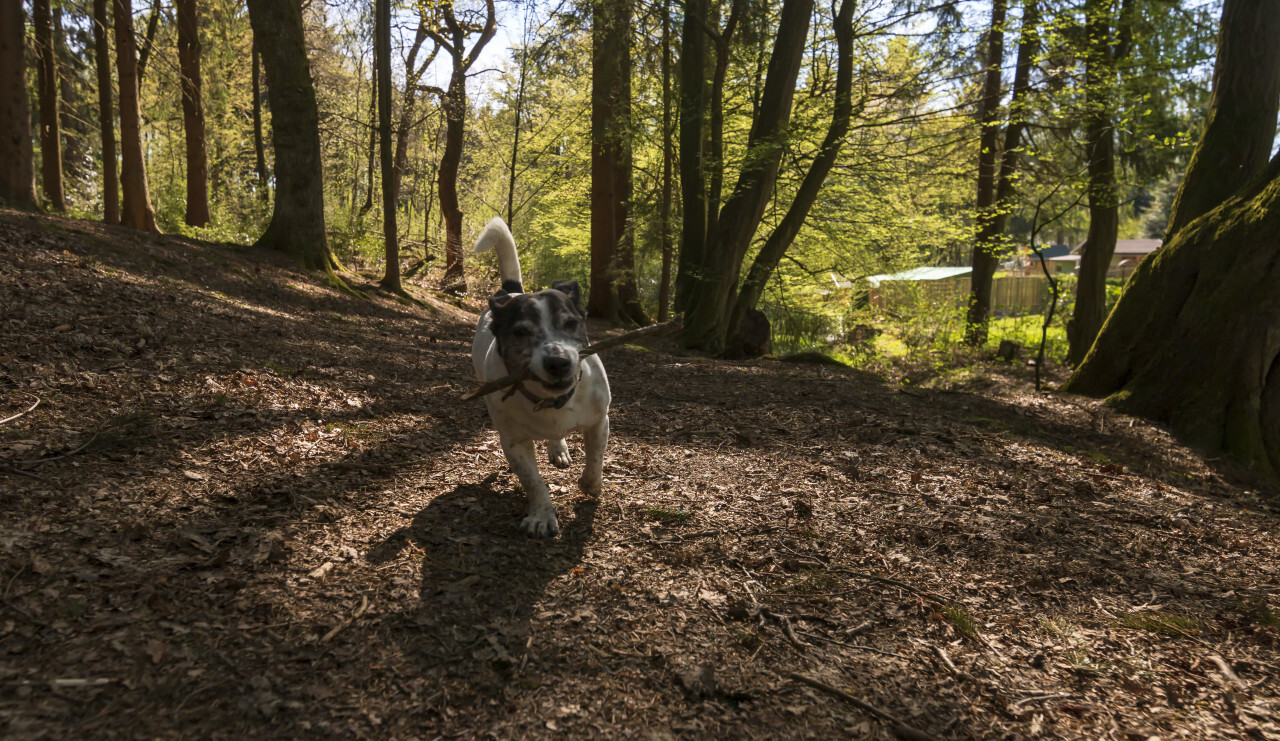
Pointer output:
x,y
995,186
47,92
1241,127
259,150
693,184
984,250
613,293
17,176
668,159
413,75
781,238
137,211
713,278
106,114
193,113
451,33
1105,47
1192,341
297,216
382,70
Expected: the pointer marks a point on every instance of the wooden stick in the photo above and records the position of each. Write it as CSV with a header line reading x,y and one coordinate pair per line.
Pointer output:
x,y
29,410
900,729
623,339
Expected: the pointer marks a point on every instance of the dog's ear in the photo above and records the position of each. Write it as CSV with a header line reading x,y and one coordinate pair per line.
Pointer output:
x,y
571,289
499,301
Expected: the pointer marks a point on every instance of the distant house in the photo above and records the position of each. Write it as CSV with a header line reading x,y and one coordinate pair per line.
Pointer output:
x,y
1025,262
1129,252
951,285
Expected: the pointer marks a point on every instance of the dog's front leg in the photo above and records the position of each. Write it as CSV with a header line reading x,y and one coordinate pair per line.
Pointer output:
x,y
594,439
541,522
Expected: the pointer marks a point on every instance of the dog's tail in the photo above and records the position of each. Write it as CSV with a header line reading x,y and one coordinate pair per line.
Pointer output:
x,y
496,236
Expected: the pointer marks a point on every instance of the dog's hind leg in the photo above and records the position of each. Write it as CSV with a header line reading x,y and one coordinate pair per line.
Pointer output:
x,y
541,521
558,453
595,438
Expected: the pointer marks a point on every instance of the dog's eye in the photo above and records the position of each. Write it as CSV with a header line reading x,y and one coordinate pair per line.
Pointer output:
x,y
523,333
571,325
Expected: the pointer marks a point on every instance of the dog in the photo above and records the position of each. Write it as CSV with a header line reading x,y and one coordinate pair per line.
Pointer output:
x,y
537,337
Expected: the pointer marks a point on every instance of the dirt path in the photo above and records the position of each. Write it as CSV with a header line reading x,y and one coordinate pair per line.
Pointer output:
x,y
249,506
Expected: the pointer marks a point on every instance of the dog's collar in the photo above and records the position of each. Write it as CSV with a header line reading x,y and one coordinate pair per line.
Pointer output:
x,y
542,402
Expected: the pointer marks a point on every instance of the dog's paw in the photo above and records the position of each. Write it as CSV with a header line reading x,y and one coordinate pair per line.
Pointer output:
x,y
558,453
541,525
590,485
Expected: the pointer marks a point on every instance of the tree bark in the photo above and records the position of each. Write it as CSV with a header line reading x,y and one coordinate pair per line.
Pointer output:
x,y
17,176
47,92
664,212
413,75
986,243
780,240
453,38
613,294
714,283
106,115
1242,112
1104,199
693,172
137,211
193,113
390,237
1194,341
148,41
259,150
297,218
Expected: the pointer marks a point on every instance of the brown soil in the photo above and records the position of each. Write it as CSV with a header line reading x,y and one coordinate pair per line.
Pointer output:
x,y
250,506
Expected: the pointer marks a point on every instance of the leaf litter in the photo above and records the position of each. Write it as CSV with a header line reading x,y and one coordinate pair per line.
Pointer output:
x,y
249,504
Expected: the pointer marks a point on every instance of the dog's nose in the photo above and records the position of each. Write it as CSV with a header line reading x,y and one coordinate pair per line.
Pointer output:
x,y
557,366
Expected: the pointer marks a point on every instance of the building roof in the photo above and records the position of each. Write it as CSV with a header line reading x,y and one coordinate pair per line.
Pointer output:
x,y
1131,247
919,274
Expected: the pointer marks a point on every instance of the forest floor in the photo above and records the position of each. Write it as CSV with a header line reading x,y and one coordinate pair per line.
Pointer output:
x,y
251,506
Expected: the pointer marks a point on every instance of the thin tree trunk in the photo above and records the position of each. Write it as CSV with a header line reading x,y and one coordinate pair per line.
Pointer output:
x,y
297,219
413,74
193,113
1242,113
17,176
693,171
148,41
664,213
382,72
766,262
259,150
373,134
47,91
106,115
713,290
137,211
986,242
715,152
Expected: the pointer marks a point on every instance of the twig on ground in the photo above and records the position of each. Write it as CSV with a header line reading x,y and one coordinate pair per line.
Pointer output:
x,y
1040,698
23,413
20,472
1227,672
622,339
900,729
35,463
854,646
946,661
886,580
364,605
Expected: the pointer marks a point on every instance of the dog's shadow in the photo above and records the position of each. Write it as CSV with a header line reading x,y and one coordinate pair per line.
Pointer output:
x,y
481,579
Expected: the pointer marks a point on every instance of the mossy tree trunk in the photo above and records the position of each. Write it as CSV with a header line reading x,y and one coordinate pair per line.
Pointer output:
x,y
1195,340
17,177
1242,112
297,218
136,210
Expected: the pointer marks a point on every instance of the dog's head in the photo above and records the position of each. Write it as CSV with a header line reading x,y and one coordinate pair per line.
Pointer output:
x,y
539,334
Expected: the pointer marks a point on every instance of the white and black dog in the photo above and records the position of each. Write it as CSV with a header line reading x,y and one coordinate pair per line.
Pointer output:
x,y
536,337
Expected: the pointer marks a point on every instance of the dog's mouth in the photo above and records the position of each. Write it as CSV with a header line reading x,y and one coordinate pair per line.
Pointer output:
x,y
557,387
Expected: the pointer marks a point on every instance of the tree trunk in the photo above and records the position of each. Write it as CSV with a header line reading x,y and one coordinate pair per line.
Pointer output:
x,y
714,283
413,74
106,115
137,211
17,176
297,217
715,145
373,134
986,242
259,150
148,41
613,294
693,172
193,113
1104,199
1242,112
382,71
779,241
1194,341
47,91
664,212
